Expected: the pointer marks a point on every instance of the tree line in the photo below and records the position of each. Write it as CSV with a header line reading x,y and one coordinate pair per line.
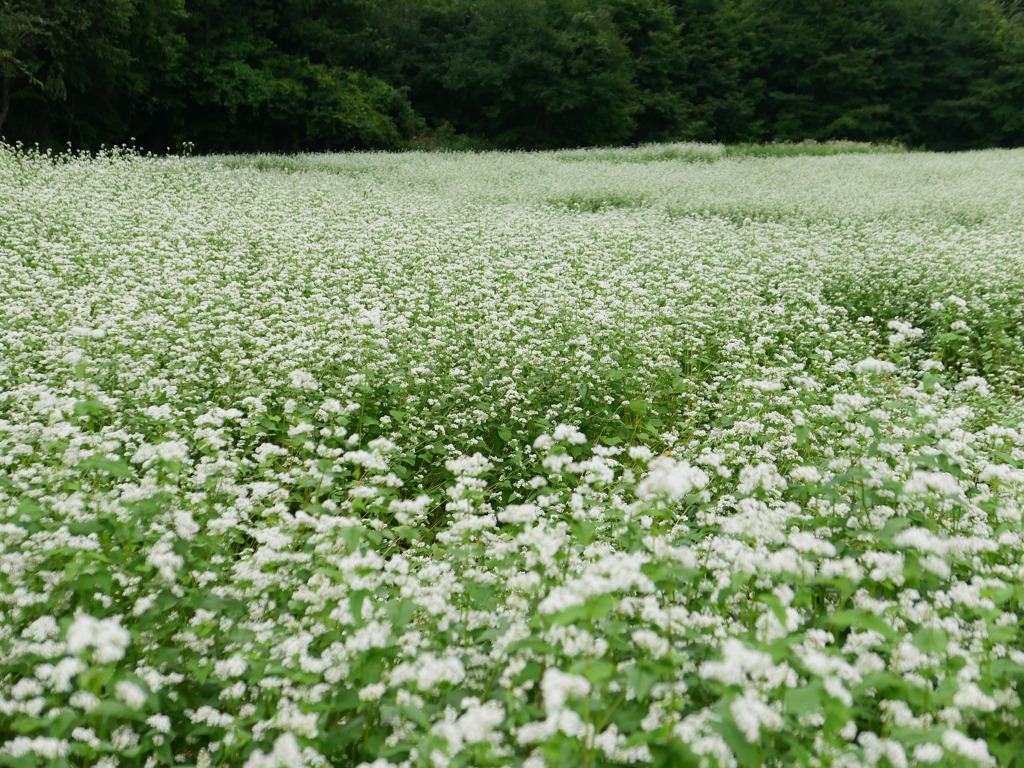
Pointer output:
x,y
287,75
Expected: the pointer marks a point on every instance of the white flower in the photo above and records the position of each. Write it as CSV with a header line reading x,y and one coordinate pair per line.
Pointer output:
x,y
519,513
922,482
131,694
87,333
86,736
805,474
970,696
289,718
84,700
106,637
429,672
903,331
372,692
653,643
285,754
160,723
41,746
59,676
871,365
569,434
671,479
469,466
738,664
302,379
927,753
761,475
159,412
478,722
751,714
474,725
557,687
169,451
640,453
977,383
973,749
165,560
233,666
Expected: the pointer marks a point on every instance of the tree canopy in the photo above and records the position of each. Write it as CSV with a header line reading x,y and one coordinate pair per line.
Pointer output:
x,y
287,75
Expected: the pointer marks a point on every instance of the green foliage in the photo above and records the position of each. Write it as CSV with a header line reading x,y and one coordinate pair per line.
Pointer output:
x,y
85,66
486,460
936,74
528,73
966,63
20,31
286,75
592,203
252,84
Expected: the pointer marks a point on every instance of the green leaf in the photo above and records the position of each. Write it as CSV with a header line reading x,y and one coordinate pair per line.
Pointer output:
x,y
117,468
90,407
1004,634
594,608
802,434
355,605
112,708
641,678
862,620
584,531
745,752
638,406
352,535
892,527
673,755
345,699
482,597
598,672
29,507
400,612
931,640
406,712
1002,669
805,699
773,602
219,604
533,644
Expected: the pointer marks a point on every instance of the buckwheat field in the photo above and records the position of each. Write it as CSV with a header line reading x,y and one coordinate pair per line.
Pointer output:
x,y
669,456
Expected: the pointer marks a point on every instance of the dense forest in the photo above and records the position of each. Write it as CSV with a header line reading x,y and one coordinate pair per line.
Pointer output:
x,y
285,75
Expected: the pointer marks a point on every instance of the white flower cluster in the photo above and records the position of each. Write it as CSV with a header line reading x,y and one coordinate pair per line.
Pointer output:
x,y
577,458
104,640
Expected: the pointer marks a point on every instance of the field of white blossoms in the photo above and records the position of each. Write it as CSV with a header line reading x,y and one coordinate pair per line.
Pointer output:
x,y
666,456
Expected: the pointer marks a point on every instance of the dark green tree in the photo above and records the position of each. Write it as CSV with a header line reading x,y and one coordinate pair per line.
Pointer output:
x,y
74,69
271,75
266,75
21,35
688,64
815,68
518,73
955,73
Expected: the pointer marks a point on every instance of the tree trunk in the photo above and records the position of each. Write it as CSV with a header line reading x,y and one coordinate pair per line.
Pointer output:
x,y
5,100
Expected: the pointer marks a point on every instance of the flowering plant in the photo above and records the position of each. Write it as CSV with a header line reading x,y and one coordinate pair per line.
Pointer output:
x,y
402,461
